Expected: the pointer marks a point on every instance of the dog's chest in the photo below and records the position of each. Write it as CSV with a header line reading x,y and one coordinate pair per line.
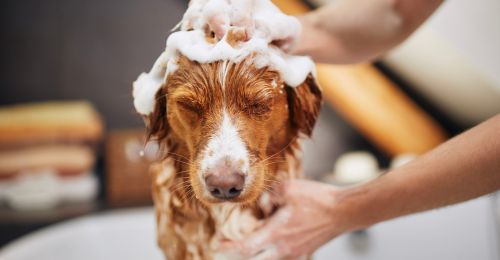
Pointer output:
x,y
199,229
233,222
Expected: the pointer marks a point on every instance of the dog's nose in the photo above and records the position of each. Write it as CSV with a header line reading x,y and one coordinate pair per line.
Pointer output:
x,y
225,186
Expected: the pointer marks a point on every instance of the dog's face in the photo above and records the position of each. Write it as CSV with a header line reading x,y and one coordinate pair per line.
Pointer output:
x,y
228,122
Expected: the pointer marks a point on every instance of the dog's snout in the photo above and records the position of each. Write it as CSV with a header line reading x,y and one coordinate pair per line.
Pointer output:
x,y
225,185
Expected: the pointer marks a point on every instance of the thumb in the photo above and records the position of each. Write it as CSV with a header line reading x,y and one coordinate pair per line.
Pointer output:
x,y
218,25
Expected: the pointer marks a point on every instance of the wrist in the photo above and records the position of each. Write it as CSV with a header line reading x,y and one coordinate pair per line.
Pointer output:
x,y
334,219
351,208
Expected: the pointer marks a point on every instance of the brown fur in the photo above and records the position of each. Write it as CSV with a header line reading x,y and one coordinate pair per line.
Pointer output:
x,y
188,111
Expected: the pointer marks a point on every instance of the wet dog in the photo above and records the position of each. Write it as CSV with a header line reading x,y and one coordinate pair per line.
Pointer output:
x,y
230,133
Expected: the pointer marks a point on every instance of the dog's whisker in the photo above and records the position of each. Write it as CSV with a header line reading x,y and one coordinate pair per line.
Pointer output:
x,y
180,160
271,181
280,151
181,172
192,195
178,189
185,163
186,190
273,162
180,155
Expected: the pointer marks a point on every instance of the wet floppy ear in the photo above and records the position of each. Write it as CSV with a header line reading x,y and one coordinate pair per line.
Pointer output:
x,y
156,123
304,102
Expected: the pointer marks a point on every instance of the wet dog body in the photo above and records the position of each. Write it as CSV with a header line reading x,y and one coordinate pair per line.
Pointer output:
x,y
229,132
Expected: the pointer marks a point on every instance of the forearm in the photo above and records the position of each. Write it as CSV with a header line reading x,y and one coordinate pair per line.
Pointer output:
x,y
463,168
350,31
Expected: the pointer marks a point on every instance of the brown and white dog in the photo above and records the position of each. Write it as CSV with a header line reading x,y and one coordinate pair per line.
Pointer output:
x,y
230,133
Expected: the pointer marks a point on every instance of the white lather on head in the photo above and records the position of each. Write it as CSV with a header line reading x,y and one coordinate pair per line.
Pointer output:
x,y
268,25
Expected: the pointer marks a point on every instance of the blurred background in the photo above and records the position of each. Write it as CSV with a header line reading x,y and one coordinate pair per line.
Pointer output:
x,y
70,140
88,52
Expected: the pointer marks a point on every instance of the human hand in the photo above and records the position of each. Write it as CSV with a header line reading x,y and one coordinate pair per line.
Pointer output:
x,y
220,20
320,44
252,19
306,221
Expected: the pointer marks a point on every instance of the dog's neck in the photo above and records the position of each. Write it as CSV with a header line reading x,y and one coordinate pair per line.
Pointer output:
x,y
199,227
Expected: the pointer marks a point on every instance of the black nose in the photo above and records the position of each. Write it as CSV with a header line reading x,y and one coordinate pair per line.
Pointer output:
x,y
225,186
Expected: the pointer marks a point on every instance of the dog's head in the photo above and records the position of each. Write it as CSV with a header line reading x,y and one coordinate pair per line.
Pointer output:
x,y
225,123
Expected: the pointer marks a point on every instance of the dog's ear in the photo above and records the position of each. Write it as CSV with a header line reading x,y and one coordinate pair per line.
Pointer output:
x,y
304,102
156,123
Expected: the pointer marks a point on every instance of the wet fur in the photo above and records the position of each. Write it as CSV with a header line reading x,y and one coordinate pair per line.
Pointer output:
x,y
187,112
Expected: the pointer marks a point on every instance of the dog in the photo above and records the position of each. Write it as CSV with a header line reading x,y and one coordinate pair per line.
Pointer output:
x,y
230,133
227,108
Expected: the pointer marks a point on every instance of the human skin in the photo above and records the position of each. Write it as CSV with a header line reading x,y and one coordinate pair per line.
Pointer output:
x,y
312,213
344,32
353,31
465,167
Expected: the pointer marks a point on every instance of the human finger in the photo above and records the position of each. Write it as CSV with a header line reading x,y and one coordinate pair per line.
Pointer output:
x,y
218,24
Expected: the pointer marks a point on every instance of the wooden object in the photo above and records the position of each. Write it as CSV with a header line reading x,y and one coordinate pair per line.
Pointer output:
x,y
373,104
127,172
49,122
378,109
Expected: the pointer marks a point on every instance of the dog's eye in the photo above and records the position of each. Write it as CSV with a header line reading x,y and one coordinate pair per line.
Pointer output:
x,y
189,106
257,109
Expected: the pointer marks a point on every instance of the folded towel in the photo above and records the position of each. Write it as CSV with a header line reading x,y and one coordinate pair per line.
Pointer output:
x,y
49,122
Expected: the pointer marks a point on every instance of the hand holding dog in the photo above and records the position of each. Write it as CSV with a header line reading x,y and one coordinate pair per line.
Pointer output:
x,y
305,221
460,169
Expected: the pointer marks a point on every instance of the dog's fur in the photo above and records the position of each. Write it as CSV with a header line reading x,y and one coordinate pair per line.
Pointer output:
x,y
190,107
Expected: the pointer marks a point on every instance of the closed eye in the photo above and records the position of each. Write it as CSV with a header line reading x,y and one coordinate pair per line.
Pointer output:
x,y
258,108
189,106
258,102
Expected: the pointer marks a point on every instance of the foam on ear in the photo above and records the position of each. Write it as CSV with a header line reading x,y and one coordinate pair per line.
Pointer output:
x,y
249,27
147,85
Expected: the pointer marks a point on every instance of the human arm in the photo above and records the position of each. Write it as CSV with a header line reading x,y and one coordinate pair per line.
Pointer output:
x,y
352,31
462,168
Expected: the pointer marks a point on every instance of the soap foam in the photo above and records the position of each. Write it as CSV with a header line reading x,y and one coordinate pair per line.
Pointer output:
x,y
264,24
